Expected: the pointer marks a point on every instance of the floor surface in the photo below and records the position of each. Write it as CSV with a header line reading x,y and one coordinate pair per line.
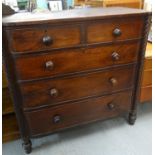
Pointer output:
x,y
110,137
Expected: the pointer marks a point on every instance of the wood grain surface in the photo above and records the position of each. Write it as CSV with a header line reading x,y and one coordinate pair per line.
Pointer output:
x,y
77,113
73,88
32,39
84,59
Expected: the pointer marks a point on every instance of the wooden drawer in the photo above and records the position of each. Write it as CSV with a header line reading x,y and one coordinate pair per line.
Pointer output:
x,y
148,63
147,78
64,116
10,130
114,30
37,39
56,91
61,62
146,93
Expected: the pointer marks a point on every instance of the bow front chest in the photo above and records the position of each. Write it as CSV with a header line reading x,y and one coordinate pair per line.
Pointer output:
x,y
73,67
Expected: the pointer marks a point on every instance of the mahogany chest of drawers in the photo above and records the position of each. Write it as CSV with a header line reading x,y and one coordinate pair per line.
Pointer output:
x,y
73,67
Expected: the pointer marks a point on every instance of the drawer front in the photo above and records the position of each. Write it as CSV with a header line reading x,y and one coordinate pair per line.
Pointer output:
x,y
147,63
114,30
10,128
68,115
56,91
146,93
45,38
147,78
70,61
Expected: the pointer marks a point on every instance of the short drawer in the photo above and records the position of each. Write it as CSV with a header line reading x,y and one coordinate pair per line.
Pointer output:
x,y
77,113
36,39
78,60
114,30
57,91
52,119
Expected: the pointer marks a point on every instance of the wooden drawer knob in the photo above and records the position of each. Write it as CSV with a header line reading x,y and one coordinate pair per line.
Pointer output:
x,y
113,81
47,40
115,56
117,32
57,119
111,106
53,92
49,65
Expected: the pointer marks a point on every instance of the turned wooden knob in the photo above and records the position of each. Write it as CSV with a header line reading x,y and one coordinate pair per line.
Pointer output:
x,y
47,40
49,65
115,56
117,32
113,81
57,119
111,106
53,92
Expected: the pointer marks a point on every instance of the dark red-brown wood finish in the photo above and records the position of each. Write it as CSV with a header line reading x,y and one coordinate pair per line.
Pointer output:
x,y
73,67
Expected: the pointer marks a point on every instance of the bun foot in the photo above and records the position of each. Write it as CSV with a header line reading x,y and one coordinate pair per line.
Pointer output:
x,y
27,146
132,118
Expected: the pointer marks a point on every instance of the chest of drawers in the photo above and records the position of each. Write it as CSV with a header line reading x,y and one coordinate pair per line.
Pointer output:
x,y
73,67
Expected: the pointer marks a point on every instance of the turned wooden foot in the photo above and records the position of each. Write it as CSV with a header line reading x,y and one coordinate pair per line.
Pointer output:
x,y
132,118
27,146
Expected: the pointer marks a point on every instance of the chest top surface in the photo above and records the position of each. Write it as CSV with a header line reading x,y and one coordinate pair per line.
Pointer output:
x,y
69,15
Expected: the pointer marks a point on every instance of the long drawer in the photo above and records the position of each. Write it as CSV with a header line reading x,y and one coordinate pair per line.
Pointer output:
x,y
61,62
114,30
68,115
56,91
